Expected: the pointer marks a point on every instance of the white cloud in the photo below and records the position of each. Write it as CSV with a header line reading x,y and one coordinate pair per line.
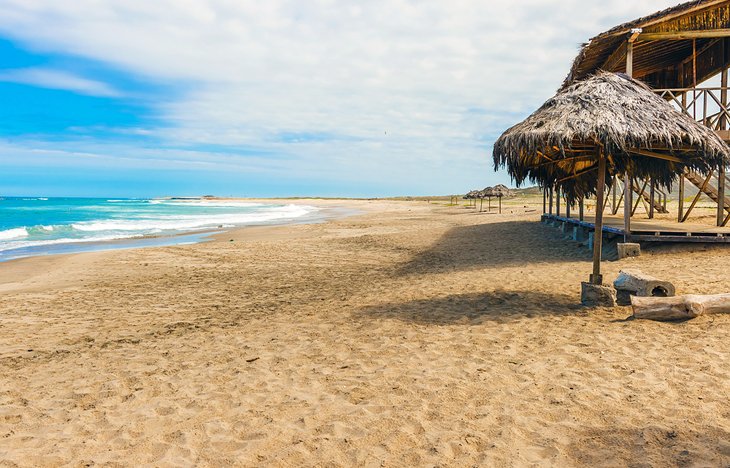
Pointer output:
x,y
58,79
418,87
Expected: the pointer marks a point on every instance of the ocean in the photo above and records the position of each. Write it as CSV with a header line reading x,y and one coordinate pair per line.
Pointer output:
x,y
40,226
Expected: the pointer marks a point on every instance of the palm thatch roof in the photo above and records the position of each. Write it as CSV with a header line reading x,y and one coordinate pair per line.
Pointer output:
x,y
636,129
657,62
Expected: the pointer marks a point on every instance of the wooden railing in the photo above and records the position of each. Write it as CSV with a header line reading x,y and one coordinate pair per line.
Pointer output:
x,y
707,105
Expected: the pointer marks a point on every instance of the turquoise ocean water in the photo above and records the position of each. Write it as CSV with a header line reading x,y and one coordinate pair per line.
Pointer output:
x,y
38,225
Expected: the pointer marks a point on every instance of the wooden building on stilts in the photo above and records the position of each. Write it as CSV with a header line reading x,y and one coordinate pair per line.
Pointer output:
x,y
648,72
676,52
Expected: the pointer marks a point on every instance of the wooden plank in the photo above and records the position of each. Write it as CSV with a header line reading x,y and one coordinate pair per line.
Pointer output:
x,y
683,35
652,154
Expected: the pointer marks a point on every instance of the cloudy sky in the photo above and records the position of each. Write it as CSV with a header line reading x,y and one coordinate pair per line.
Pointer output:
x,y
276,97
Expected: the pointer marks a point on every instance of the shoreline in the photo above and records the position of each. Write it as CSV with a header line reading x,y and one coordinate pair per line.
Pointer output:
x,y
324,213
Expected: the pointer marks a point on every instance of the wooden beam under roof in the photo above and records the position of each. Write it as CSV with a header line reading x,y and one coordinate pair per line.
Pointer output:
x,y
683,35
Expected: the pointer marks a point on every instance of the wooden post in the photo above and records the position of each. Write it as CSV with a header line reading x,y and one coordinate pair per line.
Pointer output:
x,y
614,191
580,209
500,204
551,200
652,196
596,277
489,204
481,203
720,194
630,58
557,201
567,209
680,209
723,99
627,205
694,78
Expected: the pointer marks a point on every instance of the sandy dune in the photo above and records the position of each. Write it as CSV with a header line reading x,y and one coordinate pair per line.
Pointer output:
x,y
412,335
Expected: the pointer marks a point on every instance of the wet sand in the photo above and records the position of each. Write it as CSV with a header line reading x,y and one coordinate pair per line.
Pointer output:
x,y
413,334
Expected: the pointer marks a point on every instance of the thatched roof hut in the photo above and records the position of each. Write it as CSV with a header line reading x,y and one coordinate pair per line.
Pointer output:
x,y
613,115
658,54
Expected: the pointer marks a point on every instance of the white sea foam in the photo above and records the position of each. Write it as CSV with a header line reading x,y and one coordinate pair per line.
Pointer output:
x,y
142,224
37,243
194,222
15,233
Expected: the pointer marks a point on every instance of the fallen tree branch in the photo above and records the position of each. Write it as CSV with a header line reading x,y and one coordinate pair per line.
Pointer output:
x,y
679,307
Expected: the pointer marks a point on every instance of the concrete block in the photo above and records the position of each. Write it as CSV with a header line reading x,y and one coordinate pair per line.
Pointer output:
x,y
579,234
597,295
628,249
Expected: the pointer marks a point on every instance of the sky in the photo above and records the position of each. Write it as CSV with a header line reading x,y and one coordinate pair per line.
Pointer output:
x,y
277,98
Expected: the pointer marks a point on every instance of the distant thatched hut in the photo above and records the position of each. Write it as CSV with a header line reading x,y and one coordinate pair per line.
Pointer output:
x,y
606,125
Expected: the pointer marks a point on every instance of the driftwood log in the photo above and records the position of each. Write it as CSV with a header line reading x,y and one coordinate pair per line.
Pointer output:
x,y
679,307
635,283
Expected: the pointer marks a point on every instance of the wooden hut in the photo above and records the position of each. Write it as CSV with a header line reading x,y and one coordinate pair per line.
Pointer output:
x,y
674,51
603,126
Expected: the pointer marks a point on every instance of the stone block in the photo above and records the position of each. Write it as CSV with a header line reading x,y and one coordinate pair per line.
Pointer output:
x,y
597,295
579,234
628,249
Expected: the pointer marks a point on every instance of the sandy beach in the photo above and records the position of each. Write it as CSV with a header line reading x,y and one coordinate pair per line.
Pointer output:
x,y
412,334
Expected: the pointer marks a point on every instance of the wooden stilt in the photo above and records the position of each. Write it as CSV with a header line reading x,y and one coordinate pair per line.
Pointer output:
x,y
627,205
680,208
720,194
557,201
580,209
614,190
652,196
551,200
596,277
567,209
481,202
500,205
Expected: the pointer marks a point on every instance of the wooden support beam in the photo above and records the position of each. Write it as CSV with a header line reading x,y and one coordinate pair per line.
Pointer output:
x,y
580,209
605,202
683,35
551,200
640,199
630,58
652,198
627,205
620,198
596,277
680,209
697,197
655,155
544,200
614,189
557,200
720,194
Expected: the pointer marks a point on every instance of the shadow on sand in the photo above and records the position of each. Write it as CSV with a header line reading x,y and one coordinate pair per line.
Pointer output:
x,y
495,244
497,306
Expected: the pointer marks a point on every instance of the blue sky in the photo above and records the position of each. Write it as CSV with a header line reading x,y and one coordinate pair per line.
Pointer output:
x,y
276,98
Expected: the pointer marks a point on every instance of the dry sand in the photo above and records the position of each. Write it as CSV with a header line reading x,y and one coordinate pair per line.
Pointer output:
x,y
411,335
